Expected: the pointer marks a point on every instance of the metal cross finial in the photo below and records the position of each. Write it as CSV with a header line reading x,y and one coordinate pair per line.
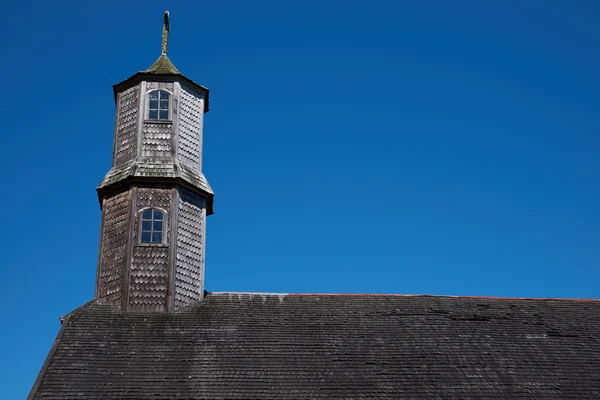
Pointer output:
x,y
165,34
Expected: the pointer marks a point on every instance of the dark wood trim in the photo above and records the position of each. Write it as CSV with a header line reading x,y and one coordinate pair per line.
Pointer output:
x,y
129,249
173,221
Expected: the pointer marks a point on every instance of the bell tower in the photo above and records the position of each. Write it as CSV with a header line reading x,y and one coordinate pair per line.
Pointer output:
x,y
155,199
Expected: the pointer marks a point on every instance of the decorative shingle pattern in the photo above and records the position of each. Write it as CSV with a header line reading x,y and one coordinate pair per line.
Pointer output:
x,y
114,243
127,120
153,197
240,346
156,141
190,253
190,127
149,278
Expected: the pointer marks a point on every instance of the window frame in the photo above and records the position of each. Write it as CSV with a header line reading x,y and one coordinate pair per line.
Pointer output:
x,y
140,226
158,110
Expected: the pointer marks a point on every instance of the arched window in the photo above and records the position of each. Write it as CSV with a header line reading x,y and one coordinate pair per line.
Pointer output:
x,y
152,226
158,107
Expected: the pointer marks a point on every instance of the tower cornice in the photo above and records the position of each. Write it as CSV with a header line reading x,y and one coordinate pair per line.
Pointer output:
x,y
160,77
131,179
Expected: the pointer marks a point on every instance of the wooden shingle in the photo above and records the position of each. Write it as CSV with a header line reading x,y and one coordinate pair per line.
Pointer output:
x,y
251,346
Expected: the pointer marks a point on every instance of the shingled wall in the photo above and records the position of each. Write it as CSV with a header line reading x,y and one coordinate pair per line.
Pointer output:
x,y
189,266
157,140
191,116
113,247
149,274
127,126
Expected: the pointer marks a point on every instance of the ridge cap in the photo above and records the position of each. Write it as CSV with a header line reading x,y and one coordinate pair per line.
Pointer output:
x,y
577,300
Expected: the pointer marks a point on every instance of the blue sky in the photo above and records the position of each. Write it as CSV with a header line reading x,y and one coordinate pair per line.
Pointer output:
x,y
354,147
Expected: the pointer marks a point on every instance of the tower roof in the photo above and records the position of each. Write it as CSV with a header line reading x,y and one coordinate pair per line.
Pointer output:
x,y
162,66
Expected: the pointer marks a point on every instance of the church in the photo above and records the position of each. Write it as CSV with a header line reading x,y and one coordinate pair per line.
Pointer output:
x,y
152,331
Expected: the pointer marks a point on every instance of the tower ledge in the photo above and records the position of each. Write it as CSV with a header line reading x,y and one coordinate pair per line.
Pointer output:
x,y
157,172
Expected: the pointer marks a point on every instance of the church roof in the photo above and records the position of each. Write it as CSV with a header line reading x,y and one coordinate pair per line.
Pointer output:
x,y
269,346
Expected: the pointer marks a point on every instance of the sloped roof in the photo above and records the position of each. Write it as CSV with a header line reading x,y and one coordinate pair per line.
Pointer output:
x,y
162,66
164,69
154,169
254,346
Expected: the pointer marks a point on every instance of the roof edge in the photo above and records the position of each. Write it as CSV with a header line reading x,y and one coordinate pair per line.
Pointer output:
x,y
582,300
177,181
64,320
148,76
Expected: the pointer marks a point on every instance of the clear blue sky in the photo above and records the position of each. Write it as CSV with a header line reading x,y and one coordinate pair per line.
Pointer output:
x,y
375,147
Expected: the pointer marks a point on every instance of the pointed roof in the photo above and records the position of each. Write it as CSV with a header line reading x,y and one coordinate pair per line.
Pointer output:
x,y
162,66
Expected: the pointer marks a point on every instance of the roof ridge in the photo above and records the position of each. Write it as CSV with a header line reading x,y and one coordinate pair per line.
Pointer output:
x,y
582,300
256,293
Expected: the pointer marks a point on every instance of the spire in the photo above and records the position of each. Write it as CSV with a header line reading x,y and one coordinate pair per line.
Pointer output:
x,y
165,34
163,65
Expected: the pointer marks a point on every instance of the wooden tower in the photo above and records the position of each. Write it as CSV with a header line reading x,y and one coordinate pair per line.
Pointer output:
x,y
155,198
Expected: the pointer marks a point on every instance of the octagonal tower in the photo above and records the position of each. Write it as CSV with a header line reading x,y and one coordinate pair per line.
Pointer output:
x,y
155,198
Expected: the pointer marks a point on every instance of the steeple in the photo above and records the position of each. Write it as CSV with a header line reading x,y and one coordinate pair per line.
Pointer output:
x,y
155,197
163,65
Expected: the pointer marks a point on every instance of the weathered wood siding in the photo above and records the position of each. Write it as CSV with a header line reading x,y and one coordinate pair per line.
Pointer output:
x,y
149,278
115,216
155,276
126,127
157,140
191,114
189,265
149,273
